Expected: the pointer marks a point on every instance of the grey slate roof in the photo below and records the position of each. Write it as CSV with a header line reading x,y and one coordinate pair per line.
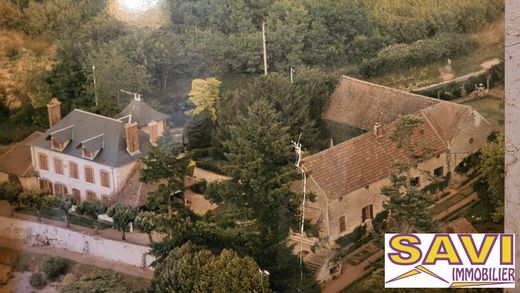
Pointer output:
x,y
142,113
89,125
93,144
63,135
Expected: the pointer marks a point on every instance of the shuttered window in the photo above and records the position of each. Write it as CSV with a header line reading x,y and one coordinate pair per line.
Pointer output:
x,y
45,185
89,174
73,170
76,194
91,195
105,178
60,189
342,225
58,166
44,164
367,213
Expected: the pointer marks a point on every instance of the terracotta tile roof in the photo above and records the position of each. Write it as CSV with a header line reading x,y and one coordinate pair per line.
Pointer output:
x,y
365,159
447,118
135,193
361,104
17,160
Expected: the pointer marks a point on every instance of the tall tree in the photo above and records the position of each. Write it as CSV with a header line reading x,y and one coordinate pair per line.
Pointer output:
x,y
204,95
260,151
10,192
293,100
35,200
492,169
113,72
191,269
122,215
92,209
166,168
407,205
147,223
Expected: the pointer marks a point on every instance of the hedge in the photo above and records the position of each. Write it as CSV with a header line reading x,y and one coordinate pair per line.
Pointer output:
x,y
459,89
421,52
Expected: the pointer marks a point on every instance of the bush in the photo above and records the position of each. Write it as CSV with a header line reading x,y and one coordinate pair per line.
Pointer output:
x,y
352,237
12,53
54,267
100,281
200,187
404,56
211,165
38,280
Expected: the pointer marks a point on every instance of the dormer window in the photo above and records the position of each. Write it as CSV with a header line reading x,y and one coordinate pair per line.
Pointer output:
x,y
61,138
88,155
91,147
57,146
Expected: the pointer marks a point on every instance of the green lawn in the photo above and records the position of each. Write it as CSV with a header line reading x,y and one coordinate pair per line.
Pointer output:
x,y
492,108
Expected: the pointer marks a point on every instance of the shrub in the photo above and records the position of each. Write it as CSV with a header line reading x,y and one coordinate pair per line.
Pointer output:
x,y
211,165
38,280
54,267
12,53
200,187
352,237
403,56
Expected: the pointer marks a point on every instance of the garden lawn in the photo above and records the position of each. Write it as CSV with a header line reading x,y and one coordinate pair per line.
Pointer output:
x,y
491,108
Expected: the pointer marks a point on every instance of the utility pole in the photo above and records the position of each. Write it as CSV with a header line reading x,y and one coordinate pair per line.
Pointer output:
x,y
292,72
95,87
265,49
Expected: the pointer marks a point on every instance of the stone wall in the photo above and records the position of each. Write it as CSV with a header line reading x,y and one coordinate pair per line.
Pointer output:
x,y
38,234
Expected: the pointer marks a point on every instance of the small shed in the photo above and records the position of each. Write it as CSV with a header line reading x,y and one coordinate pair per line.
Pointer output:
x,y
16,164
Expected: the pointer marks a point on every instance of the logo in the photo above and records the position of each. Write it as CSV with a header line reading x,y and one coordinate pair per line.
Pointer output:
x,y
449,261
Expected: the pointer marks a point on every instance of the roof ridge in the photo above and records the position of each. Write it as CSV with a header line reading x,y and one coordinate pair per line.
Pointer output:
x,y
56,131
389,88
445,143
95,136
338,145
98,115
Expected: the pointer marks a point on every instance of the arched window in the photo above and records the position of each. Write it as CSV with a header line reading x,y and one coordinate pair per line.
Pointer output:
x,y
76,194
60,189
91,195
45,184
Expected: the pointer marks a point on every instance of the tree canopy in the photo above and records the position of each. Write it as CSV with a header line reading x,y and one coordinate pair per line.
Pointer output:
x,y
191,269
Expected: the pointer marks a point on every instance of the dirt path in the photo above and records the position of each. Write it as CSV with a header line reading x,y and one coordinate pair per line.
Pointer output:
x,y
77,257
484,65
208,175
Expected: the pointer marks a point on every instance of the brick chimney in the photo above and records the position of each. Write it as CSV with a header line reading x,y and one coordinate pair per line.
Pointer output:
x,y
378,129
132,138
54,111
153,131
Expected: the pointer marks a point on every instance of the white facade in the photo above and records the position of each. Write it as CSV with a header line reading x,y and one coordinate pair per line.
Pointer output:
x,y
116,176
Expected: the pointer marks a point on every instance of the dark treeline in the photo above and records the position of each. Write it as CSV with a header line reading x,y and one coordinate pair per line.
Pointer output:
x,y
209,37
